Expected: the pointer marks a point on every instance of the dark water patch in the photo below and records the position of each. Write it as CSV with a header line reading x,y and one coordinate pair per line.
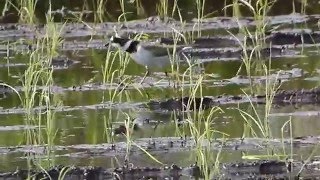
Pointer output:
x,y
212,42
169,41
122,129
194,103
9,17
215,42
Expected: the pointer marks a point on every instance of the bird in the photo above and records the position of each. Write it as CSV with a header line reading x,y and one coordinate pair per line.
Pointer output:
x,y
149,56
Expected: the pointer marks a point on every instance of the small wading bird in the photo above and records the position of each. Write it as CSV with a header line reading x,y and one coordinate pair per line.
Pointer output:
x,y
151,57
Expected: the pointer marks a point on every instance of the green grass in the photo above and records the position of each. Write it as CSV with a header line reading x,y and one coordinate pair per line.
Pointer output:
x,y
26,9
124,12
100,12
200,4
162,9
257,124
39,73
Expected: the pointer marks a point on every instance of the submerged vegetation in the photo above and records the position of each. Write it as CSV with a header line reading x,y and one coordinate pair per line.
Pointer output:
x,y
101,100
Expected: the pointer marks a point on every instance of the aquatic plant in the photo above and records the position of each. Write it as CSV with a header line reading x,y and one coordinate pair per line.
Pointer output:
x,y
252,42
288,123
100,12
198,118
27,10
5,7
304,4
140,10
200,4
162,8
256,125
108,70
122,5
39,73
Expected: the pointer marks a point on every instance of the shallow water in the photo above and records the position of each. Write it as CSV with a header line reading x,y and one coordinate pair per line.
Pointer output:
x,y
88,116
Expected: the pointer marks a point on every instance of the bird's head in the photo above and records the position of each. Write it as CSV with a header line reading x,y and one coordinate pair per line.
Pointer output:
x,y
125,44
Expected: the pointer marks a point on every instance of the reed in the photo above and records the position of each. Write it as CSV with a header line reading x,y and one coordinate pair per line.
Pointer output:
x,y
122,5
27,11
100,12
162,8
39,74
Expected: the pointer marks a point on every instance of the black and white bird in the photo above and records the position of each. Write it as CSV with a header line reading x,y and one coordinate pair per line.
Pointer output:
x,y
151,57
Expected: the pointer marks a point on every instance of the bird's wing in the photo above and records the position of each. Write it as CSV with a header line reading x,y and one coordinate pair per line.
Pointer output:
x,y
159,50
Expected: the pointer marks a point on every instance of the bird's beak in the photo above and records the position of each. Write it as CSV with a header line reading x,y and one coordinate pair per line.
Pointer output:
x,y
107,44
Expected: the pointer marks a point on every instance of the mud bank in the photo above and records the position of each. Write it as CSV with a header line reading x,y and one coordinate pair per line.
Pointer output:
x,y
281,97
160,145
263,169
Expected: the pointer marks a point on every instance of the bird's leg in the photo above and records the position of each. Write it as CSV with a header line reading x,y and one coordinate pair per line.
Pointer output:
x,y
145,75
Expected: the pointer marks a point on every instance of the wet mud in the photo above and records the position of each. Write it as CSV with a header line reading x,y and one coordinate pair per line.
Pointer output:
x,y
295,96
151,25
264,169
246,169
62,62
211,47
283,97
160,145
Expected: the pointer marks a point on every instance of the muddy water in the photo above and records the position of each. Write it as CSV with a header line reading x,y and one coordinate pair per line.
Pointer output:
x,y
87,117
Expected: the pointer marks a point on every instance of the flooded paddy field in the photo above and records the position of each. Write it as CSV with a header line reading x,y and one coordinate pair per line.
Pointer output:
x,y
242,104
